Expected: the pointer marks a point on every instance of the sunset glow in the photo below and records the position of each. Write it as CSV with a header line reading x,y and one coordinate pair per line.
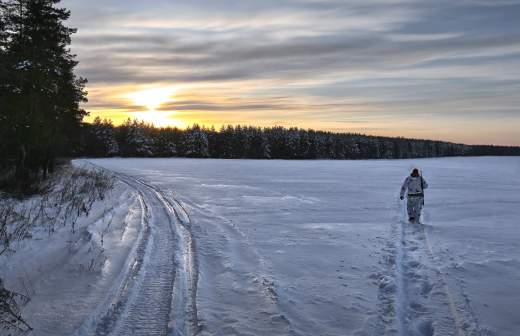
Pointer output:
x,y
398,68
152,98
160,119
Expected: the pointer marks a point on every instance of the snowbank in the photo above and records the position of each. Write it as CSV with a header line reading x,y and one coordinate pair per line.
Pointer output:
x,y
65,269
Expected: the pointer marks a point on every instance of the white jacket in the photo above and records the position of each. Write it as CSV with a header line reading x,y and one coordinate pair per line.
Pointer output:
x,y
413,185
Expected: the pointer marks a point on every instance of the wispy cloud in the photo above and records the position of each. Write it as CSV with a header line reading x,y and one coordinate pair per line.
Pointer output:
x,y
400,67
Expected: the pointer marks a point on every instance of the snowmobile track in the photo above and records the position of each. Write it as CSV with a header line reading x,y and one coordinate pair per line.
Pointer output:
x,y
157,291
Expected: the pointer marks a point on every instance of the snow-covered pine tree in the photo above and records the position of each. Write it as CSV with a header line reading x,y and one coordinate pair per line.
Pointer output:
x,y
139,140
102,140
134,139
327,150
196,142
226,135
164,144
241,142
277,141
109,136
259,146
292,143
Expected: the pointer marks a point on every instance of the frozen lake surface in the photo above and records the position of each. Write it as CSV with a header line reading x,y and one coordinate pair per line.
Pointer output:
x,y
245,247
323,247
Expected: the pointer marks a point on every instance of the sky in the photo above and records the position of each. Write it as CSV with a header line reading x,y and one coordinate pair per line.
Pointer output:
x,y
440,69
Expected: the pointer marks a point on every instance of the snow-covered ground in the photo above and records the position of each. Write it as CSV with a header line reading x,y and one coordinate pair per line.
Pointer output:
x,y
68,275
245,247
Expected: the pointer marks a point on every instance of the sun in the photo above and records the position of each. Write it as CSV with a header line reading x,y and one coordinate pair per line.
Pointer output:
x,y
152,98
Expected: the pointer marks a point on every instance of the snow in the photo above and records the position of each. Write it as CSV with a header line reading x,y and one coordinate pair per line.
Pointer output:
x,y
68,275
294,248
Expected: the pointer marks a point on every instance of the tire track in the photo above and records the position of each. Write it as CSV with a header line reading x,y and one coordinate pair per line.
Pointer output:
x,y
184,306
103,319
157,292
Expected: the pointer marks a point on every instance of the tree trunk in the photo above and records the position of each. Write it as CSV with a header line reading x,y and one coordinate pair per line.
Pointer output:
x,y
21,175
48,162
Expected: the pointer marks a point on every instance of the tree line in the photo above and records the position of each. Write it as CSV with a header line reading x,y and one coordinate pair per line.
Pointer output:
x,y
138,139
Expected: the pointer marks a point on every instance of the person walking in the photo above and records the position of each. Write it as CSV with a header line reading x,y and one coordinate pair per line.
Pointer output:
x,y
414,186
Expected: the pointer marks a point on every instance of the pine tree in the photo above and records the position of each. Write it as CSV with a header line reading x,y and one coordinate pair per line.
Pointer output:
x,y
196,142
134,139
259,145
227,134
6,143
101,140
164,143
41,95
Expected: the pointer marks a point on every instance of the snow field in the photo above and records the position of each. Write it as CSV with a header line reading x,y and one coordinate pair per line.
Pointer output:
x,y
245,247
322,247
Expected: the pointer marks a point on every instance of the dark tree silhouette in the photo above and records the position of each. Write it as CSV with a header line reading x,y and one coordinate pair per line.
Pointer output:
x,y
246,142
39,93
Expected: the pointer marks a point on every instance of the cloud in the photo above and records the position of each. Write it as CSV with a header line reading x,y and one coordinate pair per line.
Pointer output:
x,y
392,59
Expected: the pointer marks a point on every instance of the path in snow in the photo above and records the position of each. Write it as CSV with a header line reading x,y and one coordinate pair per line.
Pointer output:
x,y
415,298
157,294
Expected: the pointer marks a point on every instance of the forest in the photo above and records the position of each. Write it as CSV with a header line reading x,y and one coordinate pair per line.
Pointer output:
x,y
138,139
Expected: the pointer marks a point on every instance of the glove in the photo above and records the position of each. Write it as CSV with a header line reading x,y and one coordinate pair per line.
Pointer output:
x,y
402,198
